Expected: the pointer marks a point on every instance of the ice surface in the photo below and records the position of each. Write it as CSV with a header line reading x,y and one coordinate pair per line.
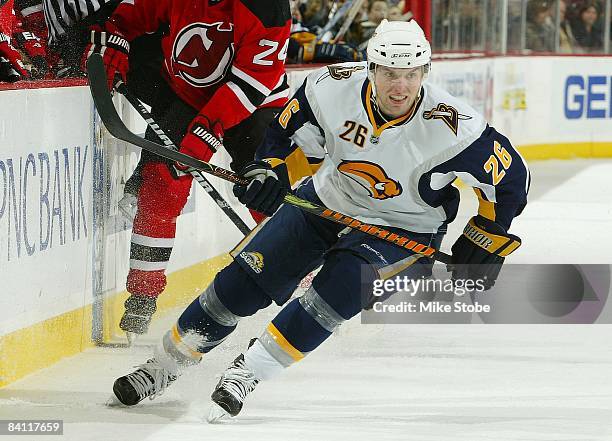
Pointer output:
x,y
384,382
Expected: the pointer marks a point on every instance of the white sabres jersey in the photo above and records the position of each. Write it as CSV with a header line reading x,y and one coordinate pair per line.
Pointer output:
x,y
372,173
397,173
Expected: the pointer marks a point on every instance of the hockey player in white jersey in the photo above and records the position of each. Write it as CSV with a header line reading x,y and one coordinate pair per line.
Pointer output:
x,y
389,145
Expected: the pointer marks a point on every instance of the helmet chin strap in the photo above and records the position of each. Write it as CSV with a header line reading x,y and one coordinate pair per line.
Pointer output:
x,y
375,107
371,77
373,97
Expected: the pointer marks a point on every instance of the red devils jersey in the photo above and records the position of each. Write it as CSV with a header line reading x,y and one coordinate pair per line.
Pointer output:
x,y
7,17
225,57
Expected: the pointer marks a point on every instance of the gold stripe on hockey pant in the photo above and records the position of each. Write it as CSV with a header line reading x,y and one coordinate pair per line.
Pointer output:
x,y
395,268
248,238
282,343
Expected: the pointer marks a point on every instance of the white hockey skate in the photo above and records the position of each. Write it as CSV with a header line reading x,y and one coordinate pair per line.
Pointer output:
x,y
228,397
149,380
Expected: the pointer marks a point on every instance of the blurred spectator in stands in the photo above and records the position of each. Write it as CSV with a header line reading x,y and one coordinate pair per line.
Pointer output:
x,y
363,13
567,41
315,13
360,32
470,25
441,26
305,48
514,25
396,14
376,13
296,13
540,34
587,29
14,35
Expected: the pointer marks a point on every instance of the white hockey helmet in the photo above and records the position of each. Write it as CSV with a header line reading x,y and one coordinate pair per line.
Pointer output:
x,y
400,44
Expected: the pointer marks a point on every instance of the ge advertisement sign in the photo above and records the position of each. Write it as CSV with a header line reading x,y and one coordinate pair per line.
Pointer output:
x,y
588,97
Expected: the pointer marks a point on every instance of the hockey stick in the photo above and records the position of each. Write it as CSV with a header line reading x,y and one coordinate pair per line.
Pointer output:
x,y
350,16
197,175
334,19
114,124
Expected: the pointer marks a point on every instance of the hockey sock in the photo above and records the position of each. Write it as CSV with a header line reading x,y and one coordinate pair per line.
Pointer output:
x,y
215,313
261,362
207,318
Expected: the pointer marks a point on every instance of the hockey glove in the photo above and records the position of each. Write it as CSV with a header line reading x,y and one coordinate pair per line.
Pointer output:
x,y
7,71
201,141
113,47
11,66
480,251
304,48
337,52
268,187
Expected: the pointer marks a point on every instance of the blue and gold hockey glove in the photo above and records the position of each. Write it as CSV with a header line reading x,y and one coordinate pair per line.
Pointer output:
x,y
480,251
269,183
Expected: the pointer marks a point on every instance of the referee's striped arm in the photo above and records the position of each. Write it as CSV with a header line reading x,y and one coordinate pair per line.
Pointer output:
x,y
60,15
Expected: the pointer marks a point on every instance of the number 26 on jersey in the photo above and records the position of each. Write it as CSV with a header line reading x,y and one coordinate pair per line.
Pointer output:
x,y
498,163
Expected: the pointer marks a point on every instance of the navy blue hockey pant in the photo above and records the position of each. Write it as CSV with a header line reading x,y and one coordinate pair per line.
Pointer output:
x,y
268,266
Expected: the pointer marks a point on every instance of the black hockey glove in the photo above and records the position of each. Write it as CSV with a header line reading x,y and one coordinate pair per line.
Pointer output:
x,y
8,72
268,187
337,52
480,251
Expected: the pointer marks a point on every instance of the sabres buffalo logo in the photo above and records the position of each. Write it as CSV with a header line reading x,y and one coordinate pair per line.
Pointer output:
x,y
202,53
338,72
448,114
371,177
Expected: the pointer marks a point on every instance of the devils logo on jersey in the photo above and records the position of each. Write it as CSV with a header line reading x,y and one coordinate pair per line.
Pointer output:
x,y
372,177
202,53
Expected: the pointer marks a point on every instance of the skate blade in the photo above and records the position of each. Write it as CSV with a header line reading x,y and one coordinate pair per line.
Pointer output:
x,y
217,414
113,401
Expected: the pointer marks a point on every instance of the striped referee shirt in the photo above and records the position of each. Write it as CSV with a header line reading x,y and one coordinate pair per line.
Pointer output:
x,y
61,15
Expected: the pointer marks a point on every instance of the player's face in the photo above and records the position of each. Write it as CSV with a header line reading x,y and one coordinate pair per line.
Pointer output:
x,y
397,89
